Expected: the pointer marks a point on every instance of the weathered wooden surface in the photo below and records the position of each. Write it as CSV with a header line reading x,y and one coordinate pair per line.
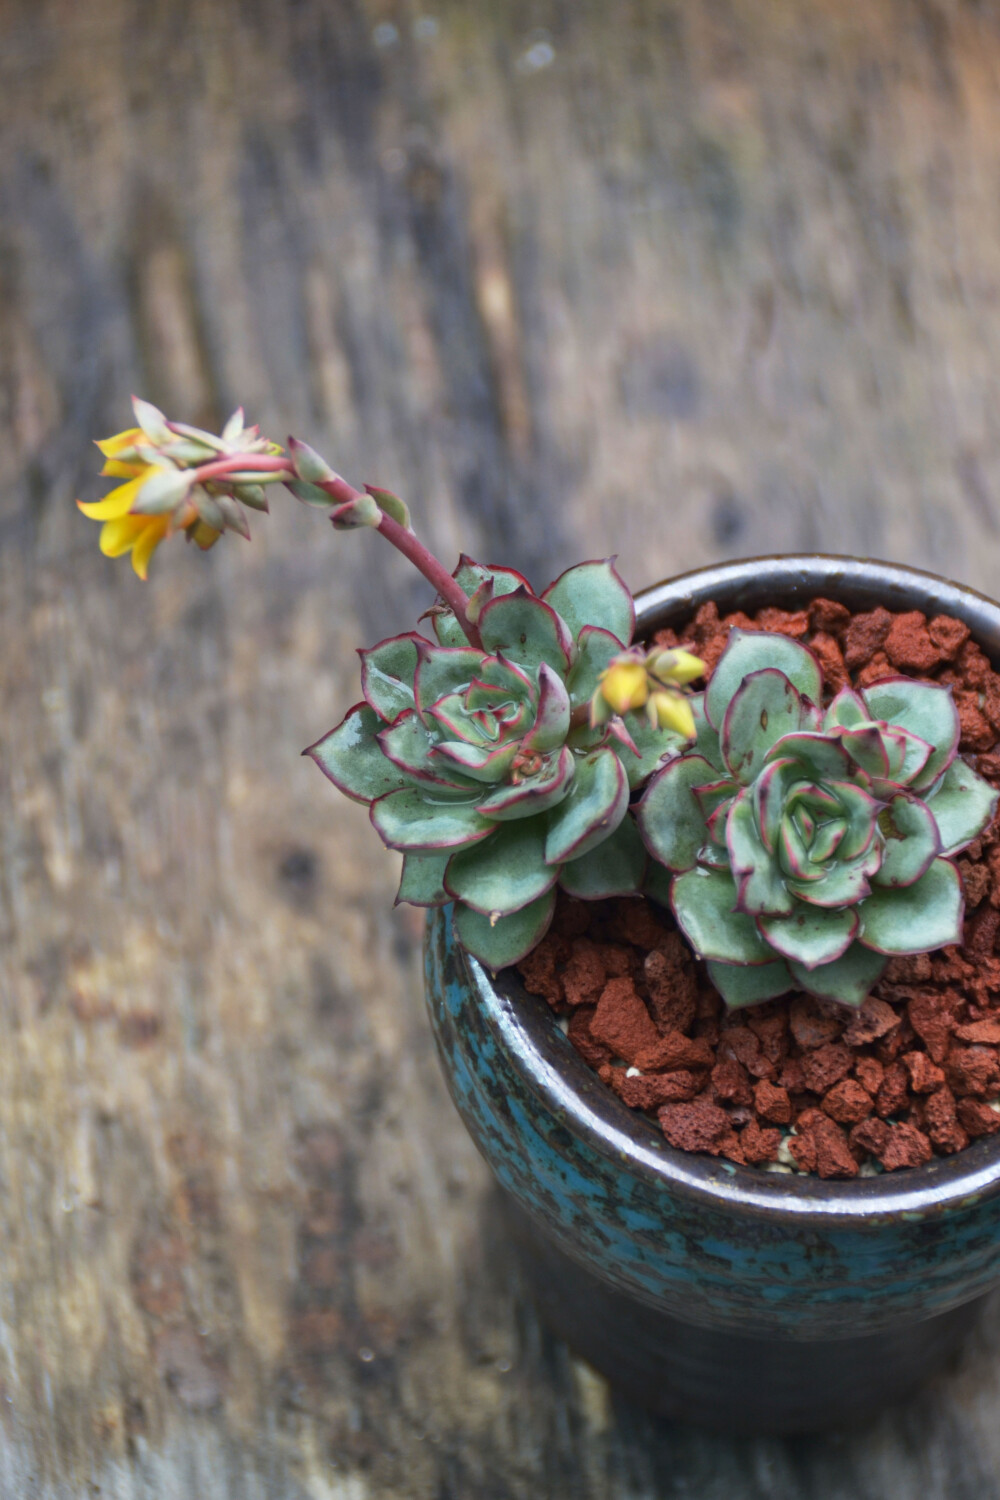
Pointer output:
x,y
674,280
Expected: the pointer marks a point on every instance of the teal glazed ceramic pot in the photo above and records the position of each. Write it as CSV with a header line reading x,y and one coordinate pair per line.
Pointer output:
x,y
719,1294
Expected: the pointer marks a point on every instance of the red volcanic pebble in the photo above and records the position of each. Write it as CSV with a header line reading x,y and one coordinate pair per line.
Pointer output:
x,y
911,1073
848,1102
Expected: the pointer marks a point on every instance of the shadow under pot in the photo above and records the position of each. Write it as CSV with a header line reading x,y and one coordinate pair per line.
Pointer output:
x,y
714,1293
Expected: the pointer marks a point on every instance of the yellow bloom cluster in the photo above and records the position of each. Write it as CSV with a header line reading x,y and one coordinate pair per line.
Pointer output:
x,y
125,532
650,680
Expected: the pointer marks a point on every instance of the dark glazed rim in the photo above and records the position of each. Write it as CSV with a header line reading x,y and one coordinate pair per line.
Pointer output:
x,y
570,1091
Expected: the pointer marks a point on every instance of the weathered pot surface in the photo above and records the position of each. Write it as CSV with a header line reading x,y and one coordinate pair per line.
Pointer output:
x,y
721,1294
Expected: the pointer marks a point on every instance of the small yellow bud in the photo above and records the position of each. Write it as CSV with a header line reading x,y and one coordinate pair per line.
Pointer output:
x,y
672,711
675,665
625,685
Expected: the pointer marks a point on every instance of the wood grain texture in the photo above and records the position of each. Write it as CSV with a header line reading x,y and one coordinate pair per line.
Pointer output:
x,y
673,280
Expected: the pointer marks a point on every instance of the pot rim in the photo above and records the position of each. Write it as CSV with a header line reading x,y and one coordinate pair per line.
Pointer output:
x,y
573,1093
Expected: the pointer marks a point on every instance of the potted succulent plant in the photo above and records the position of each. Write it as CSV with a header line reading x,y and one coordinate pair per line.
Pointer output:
x,y
528,748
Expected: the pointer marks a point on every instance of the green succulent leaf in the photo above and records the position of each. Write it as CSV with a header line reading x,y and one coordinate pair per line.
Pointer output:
x,y
912,842
670,816
762,887
963,804
848,979
658,884
422,880
481,763
704,903
526,629
387,673
761,711
505,941
592,593
615,868
535,794
908,754
551,724
706,735
915,918
597,802
926,710
654,746
847,711
407,744
818,755
442,671
755,651
409,819
740,986
595,650
350,756
505,872
470,576
812,935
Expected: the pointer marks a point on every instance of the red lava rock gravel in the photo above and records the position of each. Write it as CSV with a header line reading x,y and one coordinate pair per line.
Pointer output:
x,y
812,1085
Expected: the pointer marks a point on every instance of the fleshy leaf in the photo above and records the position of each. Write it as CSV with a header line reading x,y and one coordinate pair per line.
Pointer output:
x,y
592,593
754,651
915,918
350,756
595,649
470,576
387,673
409,820
597,802
963,805
925,709
847,710
409,747
763,709
654,746
760,882
482,762
552,713
706,735
497,944
811,935
840,885
741,985
848,979
910,845
527,630
534,795
818,754
505,872
422,880
614,868
443,670
670,816
704,903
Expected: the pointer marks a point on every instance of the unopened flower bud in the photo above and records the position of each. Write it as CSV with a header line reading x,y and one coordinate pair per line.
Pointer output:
x,y
675,665
669,710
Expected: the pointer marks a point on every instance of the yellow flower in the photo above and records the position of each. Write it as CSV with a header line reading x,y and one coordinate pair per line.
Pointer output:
x,y
139,535
624,684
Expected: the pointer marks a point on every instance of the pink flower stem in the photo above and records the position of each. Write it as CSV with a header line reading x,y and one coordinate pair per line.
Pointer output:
x,y
343,493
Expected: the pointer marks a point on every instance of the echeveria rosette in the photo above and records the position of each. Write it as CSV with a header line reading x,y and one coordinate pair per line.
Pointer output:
x,y
809,846
482,767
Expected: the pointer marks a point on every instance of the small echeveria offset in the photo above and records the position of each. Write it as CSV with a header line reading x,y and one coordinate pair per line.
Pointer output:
x,y
809,846
488,765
